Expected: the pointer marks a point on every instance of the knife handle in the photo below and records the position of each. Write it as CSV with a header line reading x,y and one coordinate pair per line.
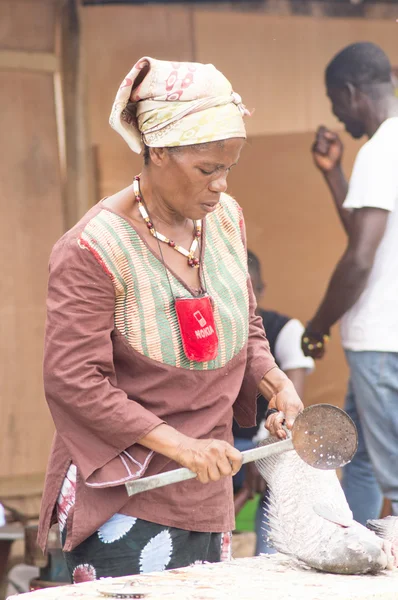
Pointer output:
x,y
156,481
177,475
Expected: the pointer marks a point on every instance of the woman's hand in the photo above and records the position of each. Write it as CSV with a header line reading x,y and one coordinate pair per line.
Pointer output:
x,y
281,393
289,405
209,459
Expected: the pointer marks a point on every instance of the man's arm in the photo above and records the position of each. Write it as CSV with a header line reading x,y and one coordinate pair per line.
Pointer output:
x,y
338,186
327,152
351,274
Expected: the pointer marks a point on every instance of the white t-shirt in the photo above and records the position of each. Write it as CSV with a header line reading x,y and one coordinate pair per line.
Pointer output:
x,y
372,323
2,516
288,352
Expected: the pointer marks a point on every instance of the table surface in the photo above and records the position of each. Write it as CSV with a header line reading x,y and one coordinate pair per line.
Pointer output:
x,y
12,532
274,577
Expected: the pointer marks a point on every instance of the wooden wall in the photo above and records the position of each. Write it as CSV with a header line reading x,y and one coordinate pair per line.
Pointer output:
x,y
276,63
42,140
31,200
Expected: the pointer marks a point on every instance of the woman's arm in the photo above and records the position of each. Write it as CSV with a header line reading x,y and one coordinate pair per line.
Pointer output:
x,y
297,377
276,387
209,459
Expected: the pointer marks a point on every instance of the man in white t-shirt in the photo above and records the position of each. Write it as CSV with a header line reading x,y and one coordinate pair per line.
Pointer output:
x,y
363,290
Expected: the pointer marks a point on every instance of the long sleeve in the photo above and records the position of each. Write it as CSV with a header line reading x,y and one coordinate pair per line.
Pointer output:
x,y
97,421
259,360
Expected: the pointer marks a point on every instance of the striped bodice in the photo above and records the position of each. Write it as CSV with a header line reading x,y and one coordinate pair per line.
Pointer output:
x,y
144,304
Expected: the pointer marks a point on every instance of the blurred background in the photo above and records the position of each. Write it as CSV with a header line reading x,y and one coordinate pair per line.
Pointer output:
x,y
61,62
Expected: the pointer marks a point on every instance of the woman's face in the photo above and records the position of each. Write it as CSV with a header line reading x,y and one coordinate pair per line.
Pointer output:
x,y
191,179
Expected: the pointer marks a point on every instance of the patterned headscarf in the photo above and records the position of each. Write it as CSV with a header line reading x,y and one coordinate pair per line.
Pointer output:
x,y
176,104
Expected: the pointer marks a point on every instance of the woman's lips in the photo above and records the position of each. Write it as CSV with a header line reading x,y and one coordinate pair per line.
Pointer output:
x,y
209,206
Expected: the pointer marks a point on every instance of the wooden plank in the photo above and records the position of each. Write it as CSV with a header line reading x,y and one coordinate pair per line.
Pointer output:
x,y
27,25
328,8
163,32
12,532
31,204
22,493
28,61
35,145
71,118
276,63
268,59
20,486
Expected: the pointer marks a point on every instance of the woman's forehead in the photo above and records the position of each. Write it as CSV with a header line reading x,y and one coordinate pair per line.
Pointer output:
x,y
218,152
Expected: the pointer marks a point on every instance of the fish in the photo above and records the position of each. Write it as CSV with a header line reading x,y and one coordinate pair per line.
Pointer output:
x,y
310,520
387,529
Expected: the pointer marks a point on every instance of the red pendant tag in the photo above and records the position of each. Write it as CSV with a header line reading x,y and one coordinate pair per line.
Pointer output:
x,y
197,327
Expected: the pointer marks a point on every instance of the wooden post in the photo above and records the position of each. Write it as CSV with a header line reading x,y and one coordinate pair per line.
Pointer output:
x,y
44,190
70,102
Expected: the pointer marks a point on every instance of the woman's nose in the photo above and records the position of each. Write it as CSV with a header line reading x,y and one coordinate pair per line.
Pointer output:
x,y
220,184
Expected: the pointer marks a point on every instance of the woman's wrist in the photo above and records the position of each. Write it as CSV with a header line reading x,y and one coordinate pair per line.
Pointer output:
x,y
165,440
274,382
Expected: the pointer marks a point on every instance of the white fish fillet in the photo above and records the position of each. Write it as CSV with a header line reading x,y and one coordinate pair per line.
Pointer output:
x,y
310,520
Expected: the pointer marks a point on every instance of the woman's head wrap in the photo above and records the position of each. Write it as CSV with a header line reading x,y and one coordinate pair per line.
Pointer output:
x,y
164,104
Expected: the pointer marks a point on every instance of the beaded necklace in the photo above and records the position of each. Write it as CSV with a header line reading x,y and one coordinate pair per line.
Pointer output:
x,y
190,254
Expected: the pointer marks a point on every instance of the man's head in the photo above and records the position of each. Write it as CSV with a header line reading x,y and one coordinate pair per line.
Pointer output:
x,y
356,78
255,275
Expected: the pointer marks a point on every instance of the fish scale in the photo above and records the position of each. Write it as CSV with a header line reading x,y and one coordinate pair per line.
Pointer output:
x,y
310,520
386,528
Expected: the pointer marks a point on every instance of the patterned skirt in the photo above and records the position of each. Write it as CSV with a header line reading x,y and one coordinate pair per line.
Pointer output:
x,y
128,546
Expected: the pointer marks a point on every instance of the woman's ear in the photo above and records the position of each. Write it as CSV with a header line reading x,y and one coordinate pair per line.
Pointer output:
x,y
158,156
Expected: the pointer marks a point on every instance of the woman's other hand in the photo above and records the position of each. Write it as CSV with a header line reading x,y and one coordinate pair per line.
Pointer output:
x,y
288,405
282,396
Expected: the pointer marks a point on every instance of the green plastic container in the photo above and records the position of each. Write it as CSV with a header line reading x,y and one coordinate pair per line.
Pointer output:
x,y
246,518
